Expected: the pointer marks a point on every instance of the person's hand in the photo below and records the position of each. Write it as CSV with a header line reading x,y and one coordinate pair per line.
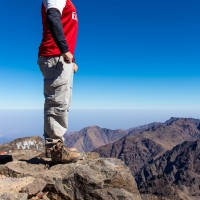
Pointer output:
x,y
75,67
68,57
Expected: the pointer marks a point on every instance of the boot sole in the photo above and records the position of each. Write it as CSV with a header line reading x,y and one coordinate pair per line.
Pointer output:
x,y
68,161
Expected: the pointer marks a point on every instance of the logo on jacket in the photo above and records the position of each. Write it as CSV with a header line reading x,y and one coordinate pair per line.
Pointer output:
x,y
74,16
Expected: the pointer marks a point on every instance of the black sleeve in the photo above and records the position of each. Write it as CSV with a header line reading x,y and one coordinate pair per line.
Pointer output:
x,y
56,29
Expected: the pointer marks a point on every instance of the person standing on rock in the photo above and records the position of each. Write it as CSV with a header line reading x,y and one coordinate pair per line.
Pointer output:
x,y
57,64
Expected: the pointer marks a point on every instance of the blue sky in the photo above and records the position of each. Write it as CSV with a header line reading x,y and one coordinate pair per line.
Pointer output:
x,y
131,55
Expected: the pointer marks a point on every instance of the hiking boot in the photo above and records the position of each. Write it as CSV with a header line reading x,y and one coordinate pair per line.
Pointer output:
x,y
48,151
49,144
62,154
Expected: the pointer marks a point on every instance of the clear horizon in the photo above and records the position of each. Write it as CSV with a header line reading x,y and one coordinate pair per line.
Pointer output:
x,y
24,123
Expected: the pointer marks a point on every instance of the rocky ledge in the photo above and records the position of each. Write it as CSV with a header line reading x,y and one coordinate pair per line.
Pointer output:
x,y
93,178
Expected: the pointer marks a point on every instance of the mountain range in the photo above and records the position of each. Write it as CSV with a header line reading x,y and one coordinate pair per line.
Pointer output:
x,y
163,157
138,149
90,138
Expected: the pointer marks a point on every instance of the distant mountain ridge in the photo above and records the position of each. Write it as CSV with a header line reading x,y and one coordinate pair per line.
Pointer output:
x,y
92,137
89,138
138,149
146,127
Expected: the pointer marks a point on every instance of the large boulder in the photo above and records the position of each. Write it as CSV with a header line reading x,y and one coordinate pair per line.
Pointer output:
x,y
93,178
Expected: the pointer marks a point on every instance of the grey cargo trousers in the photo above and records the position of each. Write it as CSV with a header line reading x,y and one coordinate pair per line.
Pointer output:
x,y
58,81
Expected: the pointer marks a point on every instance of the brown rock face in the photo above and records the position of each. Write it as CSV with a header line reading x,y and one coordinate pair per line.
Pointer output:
x,y
91,179
92,137
137,150
177,172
